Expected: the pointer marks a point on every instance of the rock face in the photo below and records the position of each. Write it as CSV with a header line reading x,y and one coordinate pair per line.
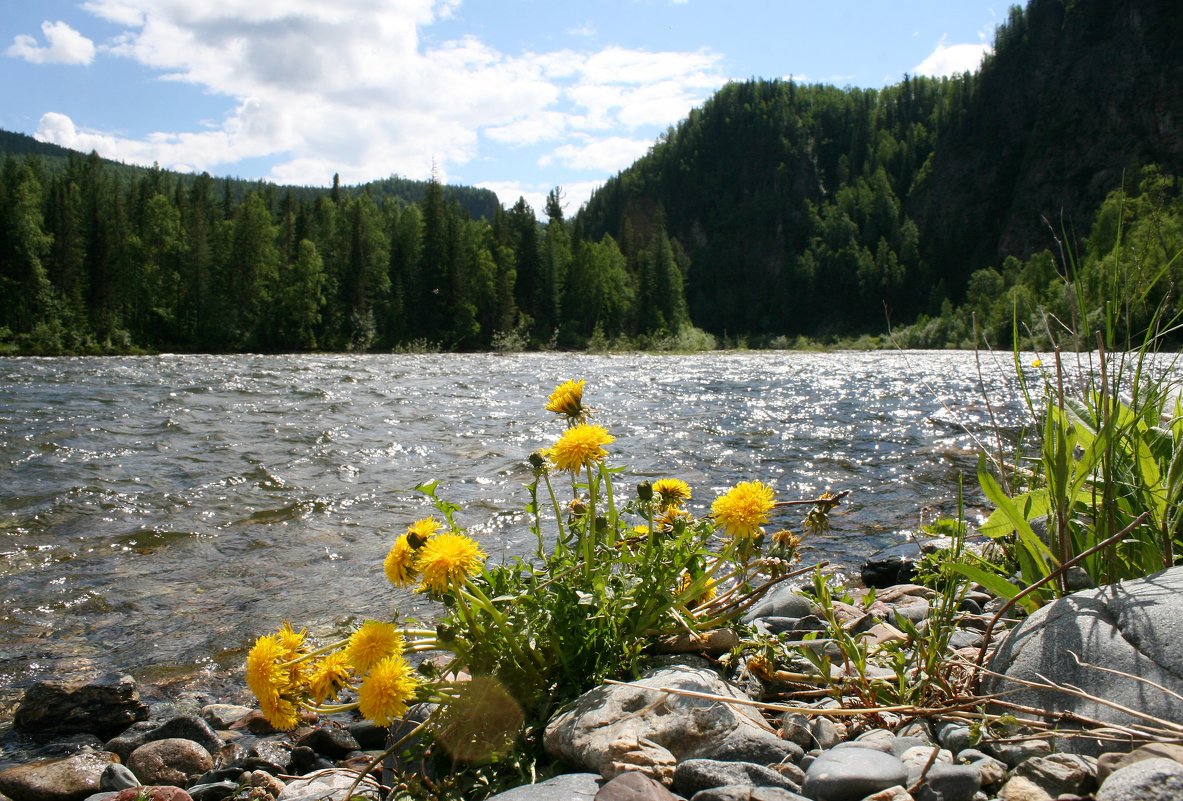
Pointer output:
x,y
104,705
1135,627
70,779
612,729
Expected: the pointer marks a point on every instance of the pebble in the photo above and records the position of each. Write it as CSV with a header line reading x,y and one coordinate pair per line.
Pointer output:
x,y
849,774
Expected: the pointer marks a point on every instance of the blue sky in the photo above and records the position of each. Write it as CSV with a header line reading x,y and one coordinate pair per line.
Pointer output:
x,y
515,95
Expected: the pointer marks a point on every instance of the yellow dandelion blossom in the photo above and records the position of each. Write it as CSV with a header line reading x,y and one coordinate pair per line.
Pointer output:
x,y
671,491
290,640
567,400
280,712
265,674
399,565
447,559
786,539
371,643
327,676
744,508
383,695
580,445
671,517
421,531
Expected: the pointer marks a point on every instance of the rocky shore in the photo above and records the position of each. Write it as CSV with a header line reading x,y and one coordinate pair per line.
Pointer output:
x,y
681,731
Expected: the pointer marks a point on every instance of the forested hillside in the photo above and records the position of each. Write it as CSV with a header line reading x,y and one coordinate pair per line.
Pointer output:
x,y
813,210
775,211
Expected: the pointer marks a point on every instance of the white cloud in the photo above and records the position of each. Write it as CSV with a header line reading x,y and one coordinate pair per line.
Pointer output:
x,y
64,45
575,194
350,88
947,60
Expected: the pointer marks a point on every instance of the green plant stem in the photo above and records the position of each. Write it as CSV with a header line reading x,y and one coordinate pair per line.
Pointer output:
x,y
554,501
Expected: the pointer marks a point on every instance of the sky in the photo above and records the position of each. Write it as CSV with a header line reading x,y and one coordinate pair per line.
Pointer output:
x,y
517,96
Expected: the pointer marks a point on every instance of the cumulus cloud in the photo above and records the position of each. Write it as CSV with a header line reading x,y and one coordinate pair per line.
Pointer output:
x,y
351,88
946,60
63,45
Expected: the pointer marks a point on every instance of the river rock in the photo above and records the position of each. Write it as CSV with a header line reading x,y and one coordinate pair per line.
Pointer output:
x,y
614,728
223,716
70,779
117,777
1060,774
945,782
694,775
103,704
634,786
746,792
1155,779
783,601
328,786
152,793
172,760
188,727
849,774
1134,627
566,787
1108,763
329,741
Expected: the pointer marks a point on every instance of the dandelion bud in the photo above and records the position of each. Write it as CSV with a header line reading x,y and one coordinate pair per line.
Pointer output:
x,y
538,461
577,508
645,491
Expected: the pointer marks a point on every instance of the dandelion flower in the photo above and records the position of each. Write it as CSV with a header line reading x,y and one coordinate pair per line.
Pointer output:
x,y
447,559
580,445
290,640
567,400
744,508
371,643
399,565
787,540
328,676
1037,363
280,712
265,674
383,694
671,491
420,531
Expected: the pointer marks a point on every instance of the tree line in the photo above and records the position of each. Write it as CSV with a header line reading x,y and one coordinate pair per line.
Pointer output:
x,y
94,258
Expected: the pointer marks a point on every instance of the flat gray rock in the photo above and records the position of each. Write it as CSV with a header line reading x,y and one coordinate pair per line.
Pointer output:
x,y
850,774
1134,627
567,787
1156,779
615,728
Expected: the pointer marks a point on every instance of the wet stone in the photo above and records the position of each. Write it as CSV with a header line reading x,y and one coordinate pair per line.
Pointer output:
x,y
170,761
694,775
103,705
70,779
330,742
117,777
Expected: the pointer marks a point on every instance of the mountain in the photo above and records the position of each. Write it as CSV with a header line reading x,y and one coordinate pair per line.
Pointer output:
x,y
477,203
806,209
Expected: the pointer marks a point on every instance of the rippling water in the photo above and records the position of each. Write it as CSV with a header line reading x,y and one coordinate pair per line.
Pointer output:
x,y
157,513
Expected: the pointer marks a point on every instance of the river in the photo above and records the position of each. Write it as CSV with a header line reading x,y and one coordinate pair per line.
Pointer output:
x,y
158,513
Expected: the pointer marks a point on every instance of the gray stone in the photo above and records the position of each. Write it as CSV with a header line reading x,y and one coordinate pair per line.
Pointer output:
x,y
1060,774
117,777
695,775
784,601
186,727
876,739
991,771
328,786
745,792
70,779
1133,627
567,787
918,757
795,729
1107,763
849,774
269,755
893,793
634,786
173,761
1155,779
825,733
953,736
330,741
950,783
223,716
615,728
213,791
99,704
1018,752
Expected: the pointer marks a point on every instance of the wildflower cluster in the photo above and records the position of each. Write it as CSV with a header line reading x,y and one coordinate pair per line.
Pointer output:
x,y
619,572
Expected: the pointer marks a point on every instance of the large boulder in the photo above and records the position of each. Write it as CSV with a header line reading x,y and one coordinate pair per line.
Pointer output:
x,y
615,728
103,704
1132,629
71,779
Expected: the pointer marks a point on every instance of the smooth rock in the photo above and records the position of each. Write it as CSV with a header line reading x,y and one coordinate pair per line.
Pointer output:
x,y
945,782
1020,788
1154,779
878,739
67,746
330,741
746,792
1060,774
1016,753
104,705
849,774
213,791
895,793
328,786
953,736
173,761
917,758
634,786
1107,763
266,782
566,787
152,793
825,732
614,728
117,777
70,779
783,601
1132,627
991,771
881,572
694,775
223,716
269,755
